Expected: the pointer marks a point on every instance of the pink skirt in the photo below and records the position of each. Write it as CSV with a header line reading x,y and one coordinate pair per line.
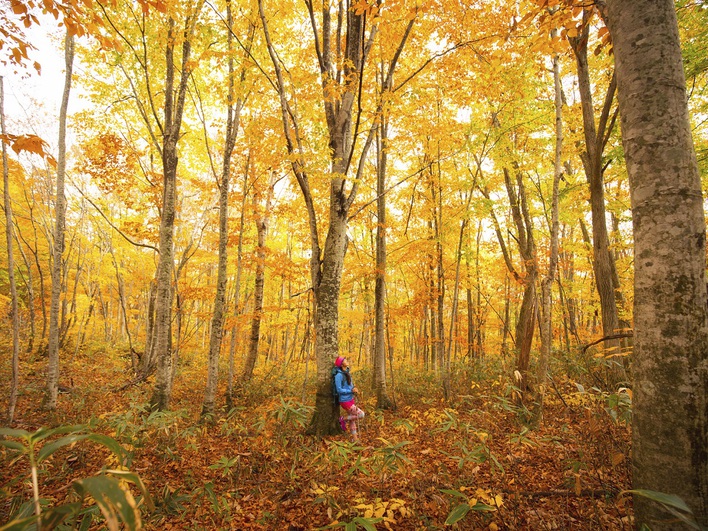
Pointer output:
x,y
348,404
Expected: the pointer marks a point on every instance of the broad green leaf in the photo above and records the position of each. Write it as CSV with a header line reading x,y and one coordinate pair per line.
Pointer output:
x,y
482,507
86,522
109,442
20,525
51,518
137,481
667,499
116,504
685,518
367,523
49,448
671,502
454,493
457,514
43,433
13,445
10,432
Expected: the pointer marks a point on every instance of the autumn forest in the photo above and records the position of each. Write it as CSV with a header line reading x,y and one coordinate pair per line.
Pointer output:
x,y
492,209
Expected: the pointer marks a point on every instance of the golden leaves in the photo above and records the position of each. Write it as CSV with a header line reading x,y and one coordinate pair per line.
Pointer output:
x,y
31,144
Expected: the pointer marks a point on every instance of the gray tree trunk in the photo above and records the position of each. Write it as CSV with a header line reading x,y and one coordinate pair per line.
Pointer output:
x,y
527,249
173,112
595,140
259,287
382,399
233,115
29,284
547,282
670,405
59,228
237,294
9,234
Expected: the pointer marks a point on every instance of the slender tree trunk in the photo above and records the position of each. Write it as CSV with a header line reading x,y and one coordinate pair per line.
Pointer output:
x,y
233,116
440,291
547,282
58,249
237,292
148,361
173,112
259,287
455,292
382,399
29,283
470,315
595,140
124,311
15,362
670,402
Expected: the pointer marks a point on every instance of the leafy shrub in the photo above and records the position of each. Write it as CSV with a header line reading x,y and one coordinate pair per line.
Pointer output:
x,y
108,490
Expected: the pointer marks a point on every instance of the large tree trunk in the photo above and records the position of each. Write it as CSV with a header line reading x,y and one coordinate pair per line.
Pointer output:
x,y
670,413
341,79
324,420
58,249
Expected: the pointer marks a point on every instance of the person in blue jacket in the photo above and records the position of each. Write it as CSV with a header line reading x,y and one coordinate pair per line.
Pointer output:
x,y
346,392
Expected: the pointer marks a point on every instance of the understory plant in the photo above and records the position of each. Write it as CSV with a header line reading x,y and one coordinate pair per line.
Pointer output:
x,y
109,490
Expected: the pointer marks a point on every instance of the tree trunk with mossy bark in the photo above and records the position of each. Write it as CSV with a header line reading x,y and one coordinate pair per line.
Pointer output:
x,y
670,368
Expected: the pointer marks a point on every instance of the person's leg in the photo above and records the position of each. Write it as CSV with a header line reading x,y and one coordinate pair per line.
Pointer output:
x,y
353,415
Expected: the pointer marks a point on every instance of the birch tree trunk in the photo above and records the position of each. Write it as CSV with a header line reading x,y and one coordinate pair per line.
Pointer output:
x,y
233,116
670,405
382,399
173,112
259,286
237,293
9,238
547,282
596,137
60,222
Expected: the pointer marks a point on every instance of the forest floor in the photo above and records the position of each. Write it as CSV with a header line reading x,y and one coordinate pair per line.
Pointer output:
x,y
469,459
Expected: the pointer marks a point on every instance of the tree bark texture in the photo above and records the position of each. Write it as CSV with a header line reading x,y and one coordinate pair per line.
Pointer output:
x,y
9,238
59,227
233,115
237,292
173,112
527,249
547,281
595,140
382,398
259,287
670,413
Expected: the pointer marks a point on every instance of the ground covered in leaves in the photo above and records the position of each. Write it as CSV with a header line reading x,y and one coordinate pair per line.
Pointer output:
x,y
467,463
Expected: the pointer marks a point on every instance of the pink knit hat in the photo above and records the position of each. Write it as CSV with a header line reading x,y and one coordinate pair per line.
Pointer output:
x,y
338,361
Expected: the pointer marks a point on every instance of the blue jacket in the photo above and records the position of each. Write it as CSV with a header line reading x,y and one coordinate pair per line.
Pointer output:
x,y
344,390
